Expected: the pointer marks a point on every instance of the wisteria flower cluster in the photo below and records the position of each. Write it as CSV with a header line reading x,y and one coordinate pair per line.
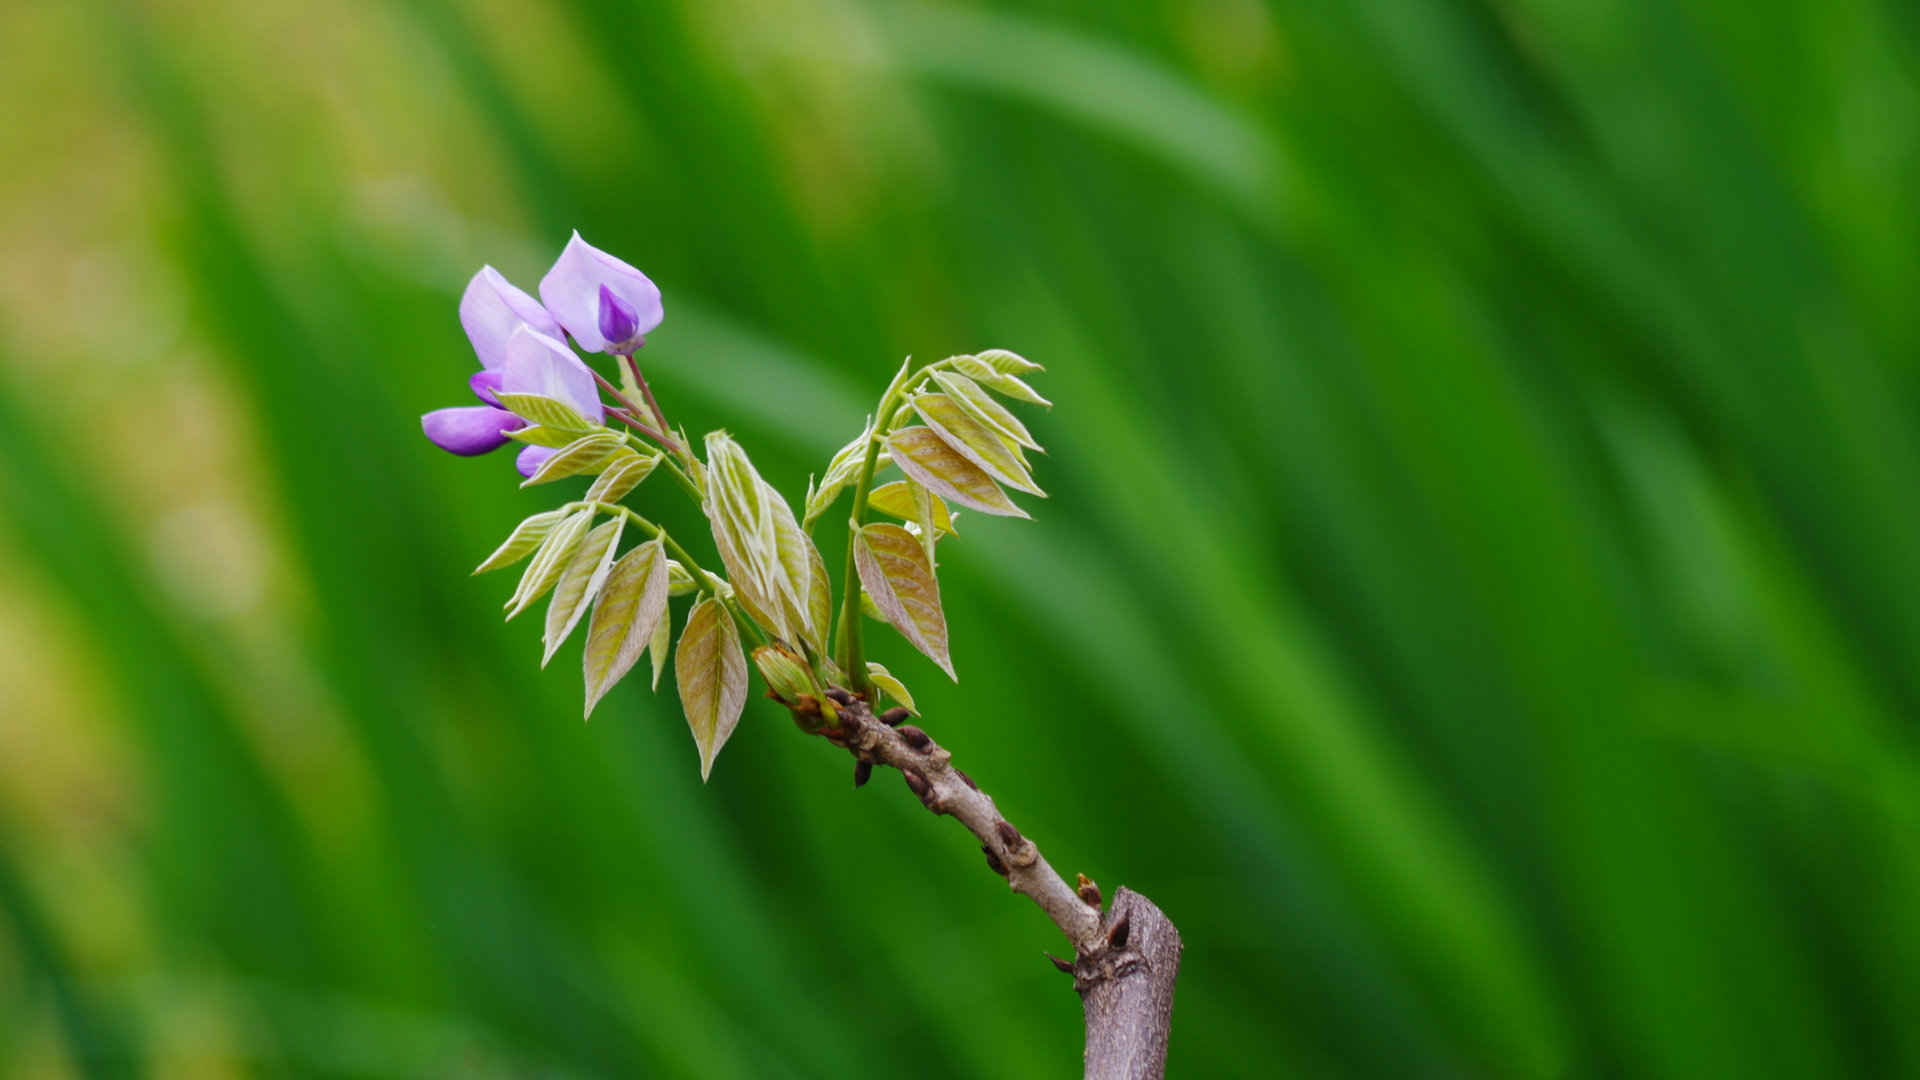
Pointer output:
x,y
940,425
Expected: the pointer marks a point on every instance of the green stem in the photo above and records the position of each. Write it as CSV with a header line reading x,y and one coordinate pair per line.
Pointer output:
x,y
851,659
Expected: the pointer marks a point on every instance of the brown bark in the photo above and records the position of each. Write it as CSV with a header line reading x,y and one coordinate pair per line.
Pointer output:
x,y
1125,964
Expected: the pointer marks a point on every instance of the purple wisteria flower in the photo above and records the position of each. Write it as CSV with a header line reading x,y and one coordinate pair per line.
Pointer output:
x,y
542,366
606,305
492,308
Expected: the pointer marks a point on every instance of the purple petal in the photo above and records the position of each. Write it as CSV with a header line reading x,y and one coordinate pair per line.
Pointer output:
x,y
492,309
537,364
532,458
484,383
572,293
469,429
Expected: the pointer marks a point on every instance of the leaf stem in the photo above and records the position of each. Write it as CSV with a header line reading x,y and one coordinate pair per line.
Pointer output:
x,y
630,416
851,658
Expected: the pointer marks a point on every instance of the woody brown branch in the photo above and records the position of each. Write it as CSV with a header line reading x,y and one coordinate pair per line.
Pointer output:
x,y
928,770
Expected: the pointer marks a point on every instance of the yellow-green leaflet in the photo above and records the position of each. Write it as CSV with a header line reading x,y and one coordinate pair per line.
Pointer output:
x,y
623,473
975,441
925,456
525,537
545,411
627,617
547,562
894,572
585,454
886,680
898,499
984,408
712,672
585,573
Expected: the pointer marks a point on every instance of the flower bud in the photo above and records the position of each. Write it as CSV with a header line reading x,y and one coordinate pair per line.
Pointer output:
x,y
619,325
469,430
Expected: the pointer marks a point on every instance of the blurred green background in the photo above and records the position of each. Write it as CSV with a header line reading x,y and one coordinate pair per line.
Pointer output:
x,y
1479,601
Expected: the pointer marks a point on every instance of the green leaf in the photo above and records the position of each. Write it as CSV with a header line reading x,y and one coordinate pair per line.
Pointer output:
x,y
525,537
999,382
842,470
1008,363
552,438
549,561
895,572
621,476
975,441
797,559
662,640
545,411
785,672
819,602
887,681
582,455
899,382
579,583
712,672
762,546
922,525
627,619
984,408
925,456
898,499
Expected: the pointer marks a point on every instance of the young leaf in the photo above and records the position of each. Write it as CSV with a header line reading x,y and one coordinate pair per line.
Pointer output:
x,y
627,617
842,470
819,602
894,571
580,582
1008,363
998,382
899,499
661,642
926,457
620,477
983,408
922,525
552,438
887,681
974,440
760,608
545,411
785,672
525,537
584,454
712,672
794,575
549,561
741,508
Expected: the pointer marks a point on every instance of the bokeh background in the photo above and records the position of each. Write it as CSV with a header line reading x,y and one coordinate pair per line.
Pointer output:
x,y
1479,597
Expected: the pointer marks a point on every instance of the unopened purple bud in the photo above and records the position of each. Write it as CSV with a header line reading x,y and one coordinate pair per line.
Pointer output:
x,y
618,324
484,383
532,458
468,430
